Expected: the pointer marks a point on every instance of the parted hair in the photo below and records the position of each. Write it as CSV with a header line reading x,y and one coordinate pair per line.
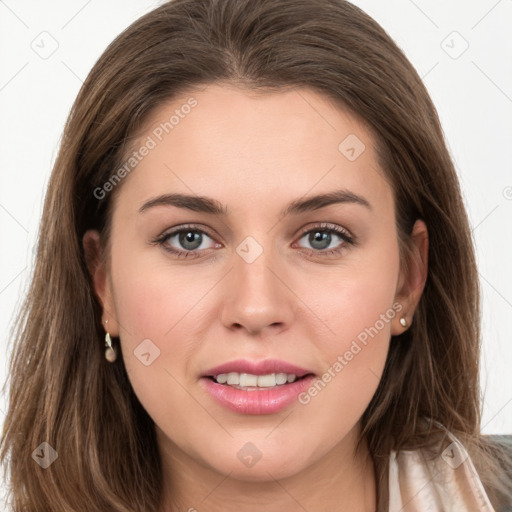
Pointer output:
x,y
62,390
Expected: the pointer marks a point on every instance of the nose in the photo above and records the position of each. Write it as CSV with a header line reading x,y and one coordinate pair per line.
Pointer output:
x,y
257,297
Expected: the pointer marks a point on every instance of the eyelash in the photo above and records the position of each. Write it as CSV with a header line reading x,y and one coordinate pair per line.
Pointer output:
x,y
323,227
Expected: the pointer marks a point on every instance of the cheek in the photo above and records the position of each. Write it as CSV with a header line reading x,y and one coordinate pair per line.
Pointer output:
x,y
152,300
352,298
153,307
359,308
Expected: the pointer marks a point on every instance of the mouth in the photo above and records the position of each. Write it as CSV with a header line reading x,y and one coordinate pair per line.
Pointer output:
x,y
261,387
253,375
252,382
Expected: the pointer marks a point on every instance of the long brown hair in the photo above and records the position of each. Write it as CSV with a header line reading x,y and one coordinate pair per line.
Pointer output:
x,y
62,390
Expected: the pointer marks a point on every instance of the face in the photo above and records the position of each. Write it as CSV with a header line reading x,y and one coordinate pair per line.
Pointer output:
x,y
276,283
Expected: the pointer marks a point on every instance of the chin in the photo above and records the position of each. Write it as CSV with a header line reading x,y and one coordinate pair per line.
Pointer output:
x,y
261,472
251,465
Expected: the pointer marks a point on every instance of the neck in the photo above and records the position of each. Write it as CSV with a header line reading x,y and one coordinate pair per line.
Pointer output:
x,y
342,480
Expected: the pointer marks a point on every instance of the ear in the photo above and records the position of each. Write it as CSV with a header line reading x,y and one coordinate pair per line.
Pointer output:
x,y
413,277
94,258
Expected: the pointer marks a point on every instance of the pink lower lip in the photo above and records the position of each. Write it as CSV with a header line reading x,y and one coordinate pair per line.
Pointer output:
x,y
266,401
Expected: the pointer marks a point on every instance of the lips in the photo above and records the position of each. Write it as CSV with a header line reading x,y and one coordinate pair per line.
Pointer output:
x,y
265,367
258,399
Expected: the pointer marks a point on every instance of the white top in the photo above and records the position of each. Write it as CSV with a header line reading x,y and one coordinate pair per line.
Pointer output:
x,y
448,483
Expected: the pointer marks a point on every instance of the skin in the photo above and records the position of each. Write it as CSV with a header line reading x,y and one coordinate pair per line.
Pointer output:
x,y
255,153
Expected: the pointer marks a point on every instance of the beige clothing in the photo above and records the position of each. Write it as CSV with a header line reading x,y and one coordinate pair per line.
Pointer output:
x,y
447,483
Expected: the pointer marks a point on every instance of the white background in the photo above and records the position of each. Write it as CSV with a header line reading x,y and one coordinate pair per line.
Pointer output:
x,y
473,95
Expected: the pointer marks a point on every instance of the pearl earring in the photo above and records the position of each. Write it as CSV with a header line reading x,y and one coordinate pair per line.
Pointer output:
x,y
403,322
110,352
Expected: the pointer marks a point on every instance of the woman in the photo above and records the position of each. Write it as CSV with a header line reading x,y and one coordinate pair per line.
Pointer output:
x,y
255,286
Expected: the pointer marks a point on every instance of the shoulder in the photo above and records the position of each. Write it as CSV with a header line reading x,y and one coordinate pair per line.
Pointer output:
x,y
438,479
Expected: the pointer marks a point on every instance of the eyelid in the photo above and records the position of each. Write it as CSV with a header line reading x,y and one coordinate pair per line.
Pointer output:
x,y
199,228
329,226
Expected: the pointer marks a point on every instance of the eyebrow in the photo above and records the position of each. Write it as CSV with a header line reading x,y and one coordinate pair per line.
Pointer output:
x,y
208,205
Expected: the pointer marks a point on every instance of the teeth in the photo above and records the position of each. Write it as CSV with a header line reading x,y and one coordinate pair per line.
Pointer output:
x,y
247,380
281,378
269,381
233,379
222,378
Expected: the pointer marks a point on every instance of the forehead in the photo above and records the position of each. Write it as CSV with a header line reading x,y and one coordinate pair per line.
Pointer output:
x,y
244,145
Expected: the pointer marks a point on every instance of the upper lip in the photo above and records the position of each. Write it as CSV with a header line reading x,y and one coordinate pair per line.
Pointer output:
x,y
264,367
